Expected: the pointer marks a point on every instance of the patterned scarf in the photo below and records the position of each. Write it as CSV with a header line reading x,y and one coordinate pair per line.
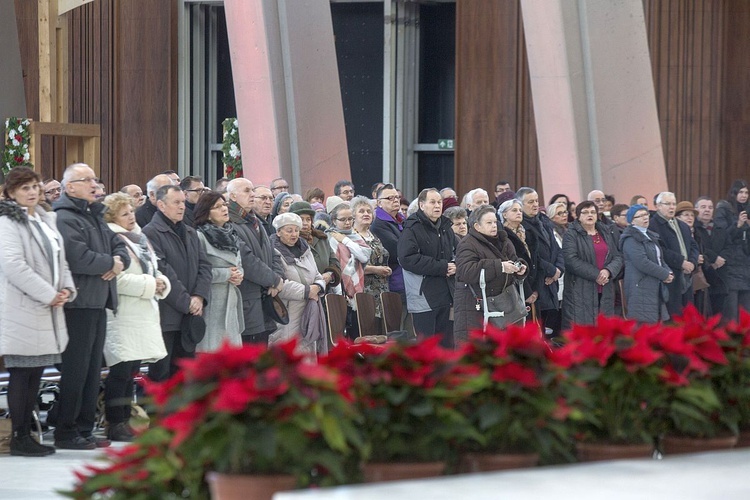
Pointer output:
x,y
353,272
223,238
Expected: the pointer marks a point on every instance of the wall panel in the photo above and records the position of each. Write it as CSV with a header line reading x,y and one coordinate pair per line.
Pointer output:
x,y
495,132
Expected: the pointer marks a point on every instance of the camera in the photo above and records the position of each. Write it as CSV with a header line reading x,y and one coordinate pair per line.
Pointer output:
x,y
518,264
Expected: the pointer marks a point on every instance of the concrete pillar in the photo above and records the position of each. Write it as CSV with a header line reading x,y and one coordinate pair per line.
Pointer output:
x,y
287,92
12,97
593,94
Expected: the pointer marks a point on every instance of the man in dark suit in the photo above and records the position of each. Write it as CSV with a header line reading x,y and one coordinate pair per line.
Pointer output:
x,y
183,260
145,212
680,251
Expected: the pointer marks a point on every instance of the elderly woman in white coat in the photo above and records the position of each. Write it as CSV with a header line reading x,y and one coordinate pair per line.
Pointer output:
x,y
303,288
225,320
133,335
35,283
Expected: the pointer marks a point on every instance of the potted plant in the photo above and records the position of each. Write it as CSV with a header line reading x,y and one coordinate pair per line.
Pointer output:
x,y
516,407
732,381
615,379
240,411
406,395
694,418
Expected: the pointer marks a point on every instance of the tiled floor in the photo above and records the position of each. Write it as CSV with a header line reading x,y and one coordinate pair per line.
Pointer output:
x,y
40,478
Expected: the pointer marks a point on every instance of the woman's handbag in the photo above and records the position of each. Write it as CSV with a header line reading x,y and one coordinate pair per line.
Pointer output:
x,y
274,309
504,309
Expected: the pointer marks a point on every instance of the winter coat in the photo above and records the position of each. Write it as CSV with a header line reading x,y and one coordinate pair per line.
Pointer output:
x,y
263,269
299,274
325,256
223,315
476,252
424,251
134,334
711,246
388,230
530,283
581,304
28,325
90,247
735,249
548,257
184,263
145,213
674,259
644,276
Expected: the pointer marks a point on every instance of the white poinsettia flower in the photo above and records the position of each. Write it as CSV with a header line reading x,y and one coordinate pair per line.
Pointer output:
x,y
25,145
11,134
26,122
20,128
236,125
234,152
26,156
7,123
16,143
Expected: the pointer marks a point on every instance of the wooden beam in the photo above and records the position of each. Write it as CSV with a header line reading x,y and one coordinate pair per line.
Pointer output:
x,y
66,129
62,66
46,9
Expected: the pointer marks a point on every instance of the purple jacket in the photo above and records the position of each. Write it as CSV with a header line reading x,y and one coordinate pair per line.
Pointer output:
x,y
388,230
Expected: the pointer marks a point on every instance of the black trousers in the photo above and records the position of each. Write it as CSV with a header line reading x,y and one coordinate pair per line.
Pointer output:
x,y
118,391
81,372
435,322
23,387
167,366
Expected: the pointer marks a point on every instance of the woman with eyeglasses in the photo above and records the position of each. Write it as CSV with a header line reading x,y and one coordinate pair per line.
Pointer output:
x,y
646,273
281,204
35,284
457,216
377,270
592,260
353,253
223,315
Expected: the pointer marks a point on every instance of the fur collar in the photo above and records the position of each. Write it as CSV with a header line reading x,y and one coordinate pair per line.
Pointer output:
x,y
14,211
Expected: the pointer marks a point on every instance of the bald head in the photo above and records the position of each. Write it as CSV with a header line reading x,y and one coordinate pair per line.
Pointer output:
x,y
154,184
79,181
597,197
242,192
135,192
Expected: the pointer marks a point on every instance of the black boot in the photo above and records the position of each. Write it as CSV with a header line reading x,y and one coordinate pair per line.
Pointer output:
x,y
23,445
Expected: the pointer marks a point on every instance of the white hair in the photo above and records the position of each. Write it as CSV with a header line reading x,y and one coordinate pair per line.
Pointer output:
x,y
234,184
413,207
70,172
591,195
660,197
505,206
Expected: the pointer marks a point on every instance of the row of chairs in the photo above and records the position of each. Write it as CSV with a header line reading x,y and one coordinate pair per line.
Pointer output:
x,y
369,324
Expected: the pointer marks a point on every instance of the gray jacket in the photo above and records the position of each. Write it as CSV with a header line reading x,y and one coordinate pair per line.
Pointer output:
x,y
644,275
581,304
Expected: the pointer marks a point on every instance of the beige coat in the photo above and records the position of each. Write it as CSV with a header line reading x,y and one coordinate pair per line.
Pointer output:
x,y
134,334
28,325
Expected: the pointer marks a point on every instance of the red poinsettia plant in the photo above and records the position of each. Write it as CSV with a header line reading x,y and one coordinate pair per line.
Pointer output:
x,y
248,410
516,406
406,395
732,380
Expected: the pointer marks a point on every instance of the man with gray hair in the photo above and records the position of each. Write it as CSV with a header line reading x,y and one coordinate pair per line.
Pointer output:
x,y
475,199
680,251
95,256
145,212
548,257
267,269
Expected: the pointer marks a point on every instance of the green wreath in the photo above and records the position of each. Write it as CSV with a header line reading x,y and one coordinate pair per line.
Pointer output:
x,y
231,148
17,140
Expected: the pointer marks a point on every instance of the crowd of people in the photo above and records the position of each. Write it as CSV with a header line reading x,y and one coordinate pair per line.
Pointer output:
x,y
150,277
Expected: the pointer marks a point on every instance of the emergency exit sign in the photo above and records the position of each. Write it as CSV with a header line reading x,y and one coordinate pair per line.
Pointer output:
x,y
445,143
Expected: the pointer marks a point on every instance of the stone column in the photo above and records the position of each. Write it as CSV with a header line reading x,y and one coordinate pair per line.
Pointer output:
x,y
593,94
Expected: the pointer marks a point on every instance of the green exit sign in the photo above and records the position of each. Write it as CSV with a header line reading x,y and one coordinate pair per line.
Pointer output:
x,y
445,144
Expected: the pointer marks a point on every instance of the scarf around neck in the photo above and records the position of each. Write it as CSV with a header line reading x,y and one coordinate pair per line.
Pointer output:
x,y
224,238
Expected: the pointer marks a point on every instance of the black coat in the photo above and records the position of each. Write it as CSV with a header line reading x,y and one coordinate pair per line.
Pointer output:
x,y
673,257
475,252
262,267
735,249
90,248
581,304
145,213
388,231
548,257
530,283
711,246
644,276
424,252
184,263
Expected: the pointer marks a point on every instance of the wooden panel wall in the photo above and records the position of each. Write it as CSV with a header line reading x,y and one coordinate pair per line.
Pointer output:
x,y
686,40
495,131
123,76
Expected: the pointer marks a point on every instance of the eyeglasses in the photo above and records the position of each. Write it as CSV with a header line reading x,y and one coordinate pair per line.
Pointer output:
x,y
639,216
264,198
588,212
218,207
562,213
393,197
199,190
668,204
85,179
459,224
53,190
346,219
599,200
283,188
